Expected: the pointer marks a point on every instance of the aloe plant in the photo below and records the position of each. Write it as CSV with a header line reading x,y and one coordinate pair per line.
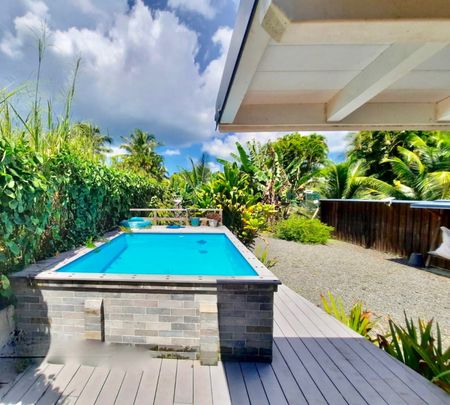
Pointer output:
x,y
419,349
358,319
263,256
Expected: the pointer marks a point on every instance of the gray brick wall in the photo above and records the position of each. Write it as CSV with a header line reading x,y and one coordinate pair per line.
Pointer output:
x,y
165,318
246,321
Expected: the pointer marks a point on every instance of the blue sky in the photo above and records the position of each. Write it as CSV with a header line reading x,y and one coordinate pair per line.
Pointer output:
x,y
155,65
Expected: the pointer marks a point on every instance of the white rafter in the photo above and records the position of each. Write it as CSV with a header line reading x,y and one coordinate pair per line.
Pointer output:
x,y
391,65
443,110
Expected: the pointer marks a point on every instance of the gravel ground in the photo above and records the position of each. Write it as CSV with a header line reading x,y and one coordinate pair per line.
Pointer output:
x,y
385,284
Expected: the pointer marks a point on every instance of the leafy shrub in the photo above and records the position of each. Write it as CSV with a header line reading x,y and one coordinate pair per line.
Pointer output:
x,y
243,212
53,203
303,230
419,350
358,319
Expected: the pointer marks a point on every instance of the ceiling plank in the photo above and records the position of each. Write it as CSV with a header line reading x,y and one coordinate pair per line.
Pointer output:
x,y
392,64
443,110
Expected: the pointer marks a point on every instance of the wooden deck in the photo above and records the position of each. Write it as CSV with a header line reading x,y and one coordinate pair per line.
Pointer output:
x,y
316,360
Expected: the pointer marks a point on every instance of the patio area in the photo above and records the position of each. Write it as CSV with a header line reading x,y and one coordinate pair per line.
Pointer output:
x,y
316,361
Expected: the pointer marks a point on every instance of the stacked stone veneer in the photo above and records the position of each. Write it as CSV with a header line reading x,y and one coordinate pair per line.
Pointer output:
x,y
200,321
246,321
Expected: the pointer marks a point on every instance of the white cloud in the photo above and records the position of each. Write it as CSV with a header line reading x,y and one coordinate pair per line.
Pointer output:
x,y
203,7
223,146
172,152
138,66
214,167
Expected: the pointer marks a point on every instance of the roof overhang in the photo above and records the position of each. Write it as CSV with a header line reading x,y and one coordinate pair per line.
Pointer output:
x,y
337,65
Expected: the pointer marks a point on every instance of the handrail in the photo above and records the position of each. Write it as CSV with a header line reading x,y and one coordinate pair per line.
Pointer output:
x,y
185,211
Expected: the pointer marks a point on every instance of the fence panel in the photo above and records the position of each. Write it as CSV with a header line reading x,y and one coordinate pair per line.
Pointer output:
x,y
392,227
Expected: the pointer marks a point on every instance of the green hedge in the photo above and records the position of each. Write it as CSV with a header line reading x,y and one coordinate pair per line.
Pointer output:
x,y
53,204
303,230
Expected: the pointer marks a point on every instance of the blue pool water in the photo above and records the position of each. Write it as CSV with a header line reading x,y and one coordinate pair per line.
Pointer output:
x,y
175,254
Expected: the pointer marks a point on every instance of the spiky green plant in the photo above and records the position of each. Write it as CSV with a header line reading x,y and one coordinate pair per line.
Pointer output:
x,y
419,349
358,319
262,253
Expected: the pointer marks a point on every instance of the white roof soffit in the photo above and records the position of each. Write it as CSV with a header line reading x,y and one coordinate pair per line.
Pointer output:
x,y
337,65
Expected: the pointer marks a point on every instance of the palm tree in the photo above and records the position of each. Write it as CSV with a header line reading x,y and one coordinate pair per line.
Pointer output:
x,y
374,147
423,173
198,175
348,180
140,147
92,134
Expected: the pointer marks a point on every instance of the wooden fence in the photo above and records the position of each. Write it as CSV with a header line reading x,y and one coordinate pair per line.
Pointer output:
x,y
392,227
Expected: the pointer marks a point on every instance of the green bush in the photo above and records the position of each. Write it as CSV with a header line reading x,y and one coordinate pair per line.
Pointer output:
x,y
303,230
49,204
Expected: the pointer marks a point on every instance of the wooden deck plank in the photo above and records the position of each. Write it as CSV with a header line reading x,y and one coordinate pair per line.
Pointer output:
x,y
335,386
128,390
358,381
254,385
426,390
93,387
76,385
390,387
419,387
16,392
184,385
286,339
41,384
379,383
111,387
166,383
289,385
347,390
236,385
7,387
271,385
202,385
219,385
149,381
56,388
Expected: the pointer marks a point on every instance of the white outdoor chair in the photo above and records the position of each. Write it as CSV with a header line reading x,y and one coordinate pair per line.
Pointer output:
x,y
443,251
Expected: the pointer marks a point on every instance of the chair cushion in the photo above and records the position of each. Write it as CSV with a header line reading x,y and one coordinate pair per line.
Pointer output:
x,y
444,249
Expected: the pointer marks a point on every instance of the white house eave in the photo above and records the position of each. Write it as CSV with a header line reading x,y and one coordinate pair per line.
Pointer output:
x,y
412,32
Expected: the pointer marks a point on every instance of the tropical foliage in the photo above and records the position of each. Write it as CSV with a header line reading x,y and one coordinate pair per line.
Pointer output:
x,y
304,230
419,348
56,192
349,180
422,171
141,155
358,319
243,210
53,203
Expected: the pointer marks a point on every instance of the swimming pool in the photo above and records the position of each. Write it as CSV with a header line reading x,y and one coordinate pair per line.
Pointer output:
x,y
191,254
194,292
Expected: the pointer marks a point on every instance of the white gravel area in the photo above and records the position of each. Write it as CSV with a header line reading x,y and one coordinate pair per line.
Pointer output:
x,y
384,283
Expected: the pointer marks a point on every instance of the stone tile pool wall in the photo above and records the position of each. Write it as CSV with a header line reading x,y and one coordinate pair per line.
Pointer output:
x,y
206,321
